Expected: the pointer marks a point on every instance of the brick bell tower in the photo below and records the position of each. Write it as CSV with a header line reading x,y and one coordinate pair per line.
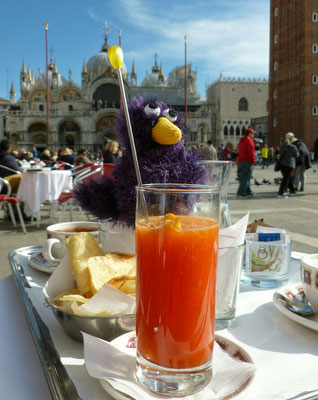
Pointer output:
x,y
293,75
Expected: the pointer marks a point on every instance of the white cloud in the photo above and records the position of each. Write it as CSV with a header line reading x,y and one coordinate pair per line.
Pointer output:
x,y
236,39
227,35
93,15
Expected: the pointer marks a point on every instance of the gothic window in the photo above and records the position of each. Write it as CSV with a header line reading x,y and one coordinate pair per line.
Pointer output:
x,y
314,17
276,39
276,12
70,107
237,131
274,122
315,110
231,131
275,94
315,79
193,136
243,104
225,131
275,66
315,48
41,107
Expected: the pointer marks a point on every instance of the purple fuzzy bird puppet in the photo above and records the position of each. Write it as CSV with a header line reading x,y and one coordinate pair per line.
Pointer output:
x,y
162,157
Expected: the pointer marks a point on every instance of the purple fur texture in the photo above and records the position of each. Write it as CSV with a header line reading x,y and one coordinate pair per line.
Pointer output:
x,y
114,200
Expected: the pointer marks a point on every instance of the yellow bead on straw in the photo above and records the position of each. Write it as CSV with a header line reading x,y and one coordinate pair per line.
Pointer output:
x,y
116,56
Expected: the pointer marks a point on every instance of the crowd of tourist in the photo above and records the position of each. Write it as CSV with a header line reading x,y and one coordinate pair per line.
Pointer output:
x,y
16,159
293,158
12,162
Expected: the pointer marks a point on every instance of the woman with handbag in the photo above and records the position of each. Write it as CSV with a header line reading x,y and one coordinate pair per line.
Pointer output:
x,y
287,161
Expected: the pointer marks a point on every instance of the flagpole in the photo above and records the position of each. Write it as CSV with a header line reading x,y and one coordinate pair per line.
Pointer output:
x,y
185,84
47,84
120,97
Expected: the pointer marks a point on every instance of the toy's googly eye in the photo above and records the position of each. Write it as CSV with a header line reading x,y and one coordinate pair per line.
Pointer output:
x,y
152,110
170,114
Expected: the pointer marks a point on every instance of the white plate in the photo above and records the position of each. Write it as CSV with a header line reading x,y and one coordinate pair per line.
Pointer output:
x,y
310,322
37,261
127,344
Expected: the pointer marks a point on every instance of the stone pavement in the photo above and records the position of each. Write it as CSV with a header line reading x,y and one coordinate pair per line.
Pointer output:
x,y
298,215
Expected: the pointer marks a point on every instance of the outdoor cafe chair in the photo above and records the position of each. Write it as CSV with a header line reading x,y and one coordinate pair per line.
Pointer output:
x,y
9,201
107,169
67,198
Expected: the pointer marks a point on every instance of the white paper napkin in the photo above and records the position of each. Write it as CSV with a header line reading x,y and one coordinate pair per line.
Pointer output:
x,y
107,301
229,264
104,361
234,235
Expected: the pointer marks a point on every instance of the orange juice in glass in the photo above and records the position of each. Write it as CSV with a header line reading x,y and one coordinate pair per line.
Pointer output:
x,y
176,246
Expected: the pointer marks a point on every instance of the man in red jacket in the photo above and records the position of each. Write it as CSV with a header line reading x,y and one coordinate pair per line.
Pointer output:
x,y
245,162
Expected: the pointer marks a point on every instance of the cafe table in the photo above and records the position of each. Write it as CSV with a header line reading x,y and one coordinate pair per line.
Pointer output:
x,y
37,186
283,351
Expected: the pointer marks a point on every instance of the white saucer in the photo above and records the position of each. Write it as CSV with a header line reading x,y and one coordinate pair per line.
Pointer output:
x,y
127,344
37,261
310,322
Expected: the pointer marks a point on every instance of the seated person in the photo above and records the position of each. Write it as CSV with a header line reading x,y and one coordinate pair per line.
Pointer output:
x,y
110,153
46,157
66,156
54,156
8,160
81,157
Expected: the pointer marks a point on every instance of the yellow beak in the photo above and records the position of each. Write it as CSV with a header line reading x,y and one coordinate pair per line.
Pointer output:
x,y
165,132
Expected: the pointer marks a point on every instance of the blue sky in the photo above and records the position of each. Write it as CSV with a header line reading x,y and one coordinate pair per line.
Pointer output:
x,y
228,36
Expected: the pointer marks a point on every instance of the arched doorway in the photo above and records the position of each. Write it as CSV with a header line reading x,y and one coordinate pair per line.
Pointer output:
x,y
105,129
69,134
37,132
106,96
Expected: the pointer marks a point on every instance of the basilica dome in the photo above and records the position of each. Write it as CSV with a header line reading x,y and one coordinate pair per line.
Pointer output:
x,y
155,79
52,74
100,61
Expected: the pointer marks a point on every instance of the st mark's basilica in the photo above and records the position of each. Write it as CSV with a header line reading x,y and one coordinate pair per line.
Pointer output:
x,y
83,115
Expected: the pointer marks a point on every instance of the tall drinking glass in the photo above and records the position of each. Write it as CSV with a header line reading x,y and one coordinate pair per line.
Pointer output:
x,y
176,246
218,174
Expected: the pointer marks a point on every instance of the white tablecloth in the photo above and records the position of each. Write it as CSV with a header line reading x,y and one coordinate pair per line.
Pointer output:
x,y
284,352
37,187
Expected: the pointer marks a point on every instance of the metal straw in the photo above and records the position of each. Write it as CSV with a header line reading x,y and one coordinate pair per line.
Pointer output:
x,y
130,132
115,56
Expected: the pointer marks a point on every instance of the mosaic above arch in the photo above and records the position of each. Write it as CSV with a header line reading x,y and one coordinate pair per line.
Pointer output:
x,y
70,95
39,95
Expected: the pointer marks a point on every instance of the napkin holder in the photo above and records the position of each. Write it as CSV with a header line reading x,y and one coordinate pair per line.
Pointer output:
x,y
267,258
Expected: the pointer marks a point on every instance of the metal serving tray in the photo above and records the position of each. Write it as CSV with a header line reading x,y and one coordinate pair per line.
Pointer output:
x,y
59,382
61,356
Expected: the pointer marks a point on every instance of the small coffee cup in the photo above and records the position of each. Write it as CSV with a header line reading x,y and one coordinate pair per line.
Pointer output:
x,y
309,278
55,248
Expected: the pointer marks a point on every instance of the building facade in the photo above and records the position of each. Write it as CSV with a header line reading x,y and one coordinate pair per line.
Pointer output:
x,y
234,103
293,77
4,106
82,116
